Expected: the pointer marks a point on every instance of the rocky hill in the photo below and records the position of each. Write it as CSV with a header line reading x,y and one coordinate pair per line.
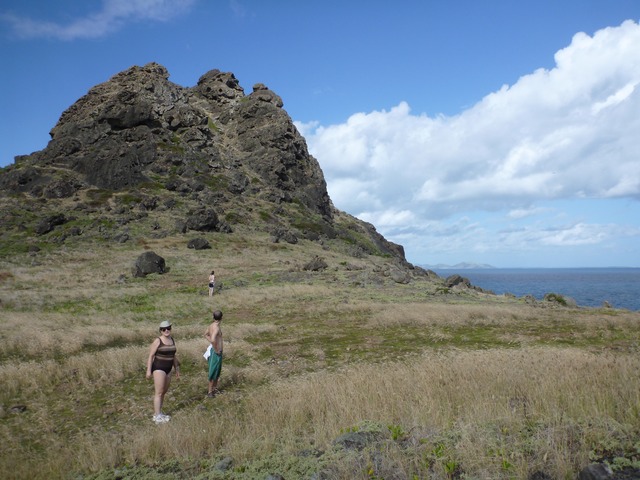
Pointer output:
x,y
140,153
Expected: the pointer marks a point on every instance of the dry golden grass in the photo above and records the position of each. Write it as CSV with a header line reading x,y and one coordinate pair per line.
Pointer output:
x,y
568,399
486,385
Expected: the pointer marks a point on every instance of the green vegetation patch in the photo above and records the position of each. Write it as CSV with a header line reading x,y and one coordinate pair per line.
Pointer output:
x,y
173,145
212,126
144,303
98,197
215,182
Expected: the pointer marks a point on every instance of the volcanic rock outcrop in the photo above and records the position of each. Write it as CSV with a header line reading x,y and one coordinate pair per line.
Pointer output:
x,y
139,127
139,142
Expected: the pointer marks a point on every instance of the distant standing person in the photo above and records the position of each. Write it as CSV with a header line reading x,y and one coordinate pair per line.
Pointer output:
x,y
212,282
162,359
214,335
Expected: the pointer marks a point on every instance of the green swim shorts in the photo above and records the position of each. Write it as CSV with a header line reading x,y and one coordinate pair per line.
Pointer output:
x,y
215,366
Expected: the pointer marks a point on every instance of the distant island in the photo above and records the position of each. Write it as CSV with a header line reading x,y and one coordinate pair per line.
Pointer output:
x,y
458,266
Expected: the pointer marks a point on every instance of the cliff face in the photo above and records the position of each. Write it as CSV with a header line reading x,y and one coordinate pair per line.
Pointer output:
x,y
211,145
139,126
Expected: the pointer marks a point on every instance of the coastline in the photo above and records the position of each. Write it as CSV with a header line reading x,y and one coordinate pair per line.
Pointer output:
x,y
588,286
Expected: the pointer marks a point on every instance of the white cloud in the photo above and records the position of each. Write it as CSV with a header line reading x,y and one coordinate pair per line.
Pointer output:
x,y
113,15
519,213
578,234
388,218
570,132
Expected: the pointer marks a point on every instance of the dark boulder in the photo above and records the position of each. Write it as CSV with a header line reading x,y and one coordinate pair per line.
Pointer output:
x,y
121,237
596,471
285,235
61,188
399,275
204,220
148,262
539,475
317,264
199,244
47,224
455,280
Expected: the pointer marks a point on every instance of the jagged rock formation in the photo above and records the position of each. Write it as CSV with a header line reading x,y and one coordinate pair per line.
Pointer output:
x,y
139,127
139,142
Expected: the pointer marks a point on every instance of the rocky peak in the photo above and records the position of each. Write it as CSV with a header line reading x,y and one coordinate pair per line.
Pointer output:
x,y
209,143
139,126
219,87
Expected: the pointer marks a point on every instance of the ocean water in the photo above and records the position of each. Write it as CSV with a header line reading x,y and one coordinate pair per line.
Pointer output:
x,y
589,287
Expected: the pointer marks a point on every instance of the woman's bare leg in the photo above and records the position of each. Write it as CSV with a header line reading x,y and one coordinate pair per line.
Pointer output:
x,y
161,384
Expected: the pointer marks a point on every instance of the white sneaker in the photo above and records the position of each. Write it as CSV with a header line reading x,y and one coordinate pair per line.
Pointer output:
x,y
158,419
166,417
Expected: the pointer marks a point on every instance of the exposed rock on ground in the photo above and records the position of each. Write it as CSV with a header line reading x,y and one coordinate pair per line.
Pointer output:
x,y
149,262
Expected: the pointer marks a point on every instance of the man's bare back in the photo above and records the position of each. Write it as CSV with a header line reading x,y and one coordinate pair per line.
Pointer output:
x,y
214,335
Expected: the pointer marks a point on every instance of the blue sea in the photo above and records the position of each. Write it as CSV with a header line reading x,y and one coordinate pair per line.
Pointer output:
x,y
589,287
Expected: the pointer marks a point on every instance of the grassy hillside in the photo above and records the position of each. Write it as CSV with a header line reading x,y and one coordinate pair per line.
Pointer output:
x,y
335,374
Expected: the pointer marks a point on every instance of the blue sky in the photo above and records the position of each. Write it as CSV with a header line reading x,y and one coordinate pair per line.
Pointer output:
x,y
494,131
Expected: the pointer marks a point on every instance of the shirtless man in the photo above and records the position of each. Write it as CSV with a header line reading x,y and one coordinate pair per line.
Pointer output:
x,y
214,335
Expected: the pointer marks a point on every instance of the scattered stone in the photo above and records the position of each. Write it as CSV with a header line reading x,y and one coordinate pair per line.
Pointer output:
x,y
224,227
204,220
311,452
148,262
319,476
540,475
181,226
149,203
317,264
199,244
354,440
455,280
122,237
400,276
47,224
595,471
61,188
282,234
602,471
225,464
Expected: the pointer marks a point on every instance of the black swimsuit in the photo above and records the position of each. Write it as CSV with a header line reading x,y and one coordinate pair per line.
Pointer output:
x,y
163,359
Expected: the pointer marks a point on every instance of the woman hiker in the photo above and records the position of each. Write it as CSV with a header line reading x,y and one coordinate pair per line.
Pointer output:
x,y
162,359
212,283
